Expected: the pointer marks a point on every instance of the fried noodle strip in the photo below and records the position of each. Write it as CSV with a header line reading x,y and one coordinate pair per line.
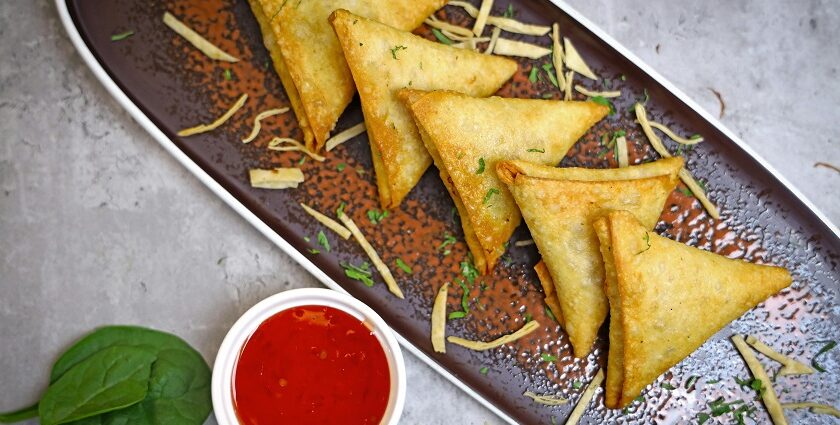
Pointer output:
x,y
327,222
203,128
439,320
481,345
257,125
374,257
200,43
771,402
276,144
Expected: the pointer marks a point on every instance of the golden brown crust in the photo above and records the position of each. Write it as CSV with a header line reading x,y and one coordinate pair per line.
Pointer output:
x,y
467,132
674,297
560,213
317,78
550,294
615,357
383,60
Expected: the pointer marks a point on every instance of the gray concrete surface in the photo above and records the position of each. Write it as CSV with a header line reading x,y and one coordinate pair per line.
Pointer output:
x,y
98,225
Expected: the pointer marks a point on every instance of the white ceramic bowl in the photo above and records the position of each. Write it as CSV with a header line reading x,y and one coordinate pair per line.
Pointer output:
x,y
222,386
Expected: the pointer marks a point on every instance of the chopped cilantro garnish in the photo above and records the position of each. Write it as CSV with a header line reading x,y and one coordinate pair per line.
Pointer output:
x,y
509,12
623,77
376,216
548,358
484,370
686,191
714,381
577,384
480,166
465,297
396,49
528,317
547,96
122,36
489,195
702,417
549,313
689,383
302,160
667,386
468,270
314,251
457,315
536,150
447,240
646,238
306,238
645,99
322,240
402,265
440,37
694,137
340,210
361,273
340,167
360,171
549,70
603,101
532,77
829,345
228,75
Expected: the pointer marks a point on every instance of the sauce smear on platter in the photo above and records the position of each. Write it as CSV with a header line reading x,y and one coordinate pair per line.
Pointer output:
x,y
311,365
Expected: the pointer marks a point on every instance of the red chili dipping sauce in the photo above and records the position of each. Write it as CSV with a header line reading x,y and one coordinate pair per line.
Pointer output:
x,y
311,365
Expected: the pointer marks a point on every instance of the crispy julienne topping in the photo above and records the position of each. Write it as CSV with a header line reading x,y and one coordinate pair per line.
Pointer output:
x,y
328,222
257,125
575,62
548,400
685,175
439,320
434,22
507,47
769,395
494,37
789,365
281,144
203,128
693,140
374,257
277,178
481,345
577,413
567,91
818,408
505,23
481,19
345,135
557,55
523,243
621,152
200,43
607,94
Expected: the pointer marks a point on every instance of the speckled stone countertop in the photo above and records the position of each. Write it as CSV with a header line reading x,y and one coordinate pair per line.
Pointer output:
x,y
98,225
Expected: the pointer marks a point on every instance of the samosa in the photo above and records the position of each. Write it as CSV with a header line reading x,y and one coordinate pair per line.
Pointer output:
x,y
666,299
309,60
560,204
550,293
384,60
468,136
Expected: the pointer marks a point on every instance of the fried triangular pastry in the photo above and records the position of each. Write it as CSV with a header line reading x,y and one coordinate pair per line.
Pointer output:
x,y
383,60
560,204
550,298
309,60
468,136
667,299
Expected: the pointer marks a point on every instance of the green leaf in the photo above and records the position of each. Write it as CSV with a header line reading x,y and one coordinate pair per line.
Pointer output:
x,y
480,166
509,12
532,77
577,385
20,414
111,379
228,75
440,37
603,101
361,273
403,266
826,348
457,315
323,241
179,385
549,70
465,297
396,49
549,313
548,358
376,216
340,210
667,386
484,370
340,167
536,150
469,270
691,381
122,36
489,195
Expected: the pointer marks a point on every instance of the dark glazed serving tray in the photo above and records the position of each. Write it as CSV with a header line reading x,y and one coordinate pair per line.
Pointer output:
x,y
167,85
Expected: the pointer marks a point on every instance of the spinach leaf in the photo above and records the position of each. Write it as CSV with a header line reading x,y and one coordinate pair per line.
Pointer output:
x,y
112,379
177,388
19,415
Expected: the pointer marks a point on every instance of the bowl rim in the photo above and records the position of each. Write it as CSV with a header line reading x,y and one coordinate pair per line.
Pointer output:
x,y
244,327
